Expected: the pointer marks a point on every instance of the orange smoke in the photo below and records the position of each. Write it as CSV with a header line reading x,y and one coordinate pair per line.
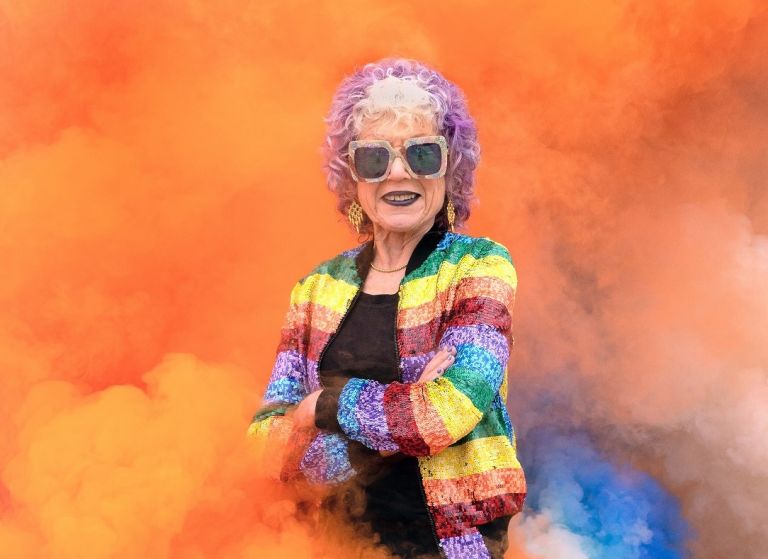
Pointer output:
x,y
161,191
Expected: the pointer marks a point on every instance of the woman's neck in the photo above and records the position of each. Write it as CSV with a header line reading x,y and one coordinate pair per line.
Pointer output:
x,y
393,249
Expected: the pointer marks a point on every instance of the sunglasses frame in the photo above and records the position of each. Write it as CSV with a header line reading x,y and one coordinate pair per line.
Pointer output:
x,y
399,152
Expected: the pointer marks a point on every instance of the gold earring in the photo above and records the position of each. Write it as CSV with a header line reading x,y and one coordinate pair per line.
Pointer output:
x,y
450,210
355,215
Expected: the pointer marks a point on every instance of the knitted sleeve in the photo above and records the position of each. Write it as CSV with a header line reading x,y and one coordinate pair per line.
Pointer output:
x,y
423,419
295,454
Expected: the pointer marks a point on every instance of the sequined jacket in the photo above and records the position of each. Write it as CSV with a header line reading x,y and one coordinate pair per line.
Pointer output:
x,y
457,290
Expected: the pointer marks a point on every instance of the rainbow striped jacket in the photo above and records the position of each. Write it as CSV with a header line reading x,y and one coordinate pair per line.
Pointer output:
x,y
457,290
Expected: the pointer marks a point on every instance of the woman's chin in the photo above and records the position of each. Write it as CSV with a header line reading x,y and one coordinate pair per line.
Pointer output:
x,y
401,224
402,220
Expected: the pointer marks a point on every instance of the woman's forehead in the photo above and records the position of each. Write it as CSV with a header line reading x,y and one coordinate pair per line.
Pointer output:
x,y
401,131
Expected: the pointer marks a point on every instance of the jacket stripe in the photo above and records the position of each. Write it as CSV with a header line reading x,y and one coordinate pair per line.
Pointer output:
x,y
331,292
402,421
410,340
493,425
423,290
489,314
286,384
288,363
453,519
341,268
473,457
481,310
348,399
478,335
476,248
475,487
456,410
372,420
478,384
323,317
411,367
434,433
469,544
326,460
471,287
286,389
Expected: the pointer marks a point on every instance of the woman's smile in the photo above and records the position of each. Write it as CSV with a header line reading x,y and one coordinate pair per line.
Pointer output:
x,y
400,198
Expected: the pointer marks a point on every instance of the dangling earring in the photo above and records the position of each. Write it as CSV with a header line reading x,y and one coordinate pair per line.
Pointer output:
x,y
450,211
355,215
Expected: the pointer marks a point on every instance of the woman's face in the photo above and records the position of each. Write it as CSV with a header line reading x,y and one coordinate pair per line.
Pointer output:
x,y
393,216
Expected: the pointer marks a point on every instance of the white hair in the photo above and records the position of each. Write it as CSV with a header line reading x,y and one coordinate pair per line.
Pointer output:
x,y
395,101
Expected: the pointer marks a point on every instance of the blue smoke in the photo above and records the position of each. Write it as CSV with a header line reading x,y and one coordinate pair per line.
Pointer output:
x,y
619,512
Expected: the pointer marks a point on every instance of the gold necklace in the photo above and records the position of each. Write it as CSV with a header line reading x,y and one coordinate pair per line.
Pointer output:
x,y
385,271
388,271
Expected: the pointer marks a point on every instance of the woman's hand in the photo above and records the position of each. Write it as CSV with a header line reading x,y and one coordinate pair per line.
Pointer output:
x,y
304,414
443,359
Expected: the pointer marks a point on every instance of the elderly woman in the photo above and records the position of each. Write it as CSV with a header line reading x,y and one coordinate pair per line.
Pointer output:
x,y
391,371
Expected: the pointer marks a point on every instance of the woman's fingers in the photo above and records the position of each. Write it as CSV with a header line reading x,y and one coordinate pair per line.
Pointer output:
x,y
438,360
442,359
447,357
431,376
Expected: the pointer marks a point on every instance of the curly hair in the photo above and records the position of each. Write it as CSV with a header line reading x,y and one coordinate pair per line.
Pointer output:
x,y
440,99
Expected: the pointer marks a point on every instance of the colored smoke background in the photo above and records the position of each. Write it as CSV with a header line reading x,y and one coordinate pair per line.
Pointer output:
x,y
161,190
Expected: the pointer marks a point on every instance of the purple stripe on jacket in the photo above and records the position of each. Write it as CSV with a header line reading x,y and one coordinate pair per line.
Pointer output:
x,y
412,367
480,335
466,546
371,419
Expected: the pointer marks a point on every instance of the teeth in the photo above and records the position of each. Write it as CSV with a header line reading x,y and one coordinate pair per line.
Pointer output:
x,y
399,196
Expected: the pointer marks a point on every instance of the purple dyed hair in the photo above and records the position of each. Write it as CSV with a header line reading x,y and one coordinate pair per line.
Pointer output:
x,y
452,118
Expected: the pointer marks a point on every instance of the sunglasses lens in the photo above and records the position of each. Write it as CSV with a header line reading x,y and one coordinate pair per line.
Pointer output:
x,y
371,162
425,159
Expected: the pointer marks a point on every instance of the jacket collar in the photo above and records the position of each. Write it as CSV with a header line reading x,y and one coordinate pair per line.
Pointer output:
x,y
423,249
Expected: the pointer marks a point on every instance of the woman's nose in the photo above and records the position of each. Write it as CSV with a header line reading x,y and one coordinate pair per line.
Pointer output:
x,y
398,171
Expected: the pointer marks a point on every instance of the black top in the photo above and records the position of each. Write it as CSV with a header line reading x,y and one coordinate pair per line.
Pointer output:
x,y
364,347
365,340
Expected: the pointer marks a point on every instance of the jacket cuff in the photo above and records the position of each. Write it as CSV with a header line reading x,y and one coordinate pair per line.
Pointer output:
x,y
326,410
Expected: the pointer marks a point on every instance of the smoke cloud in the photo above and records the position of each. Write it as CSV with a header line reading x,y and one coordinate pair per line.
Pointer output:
x,y
161,190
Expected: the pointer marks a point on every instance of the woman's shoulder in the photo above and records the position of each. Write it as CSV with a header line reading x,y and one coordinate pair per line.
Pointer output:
x,y
339,266
479,257
460,245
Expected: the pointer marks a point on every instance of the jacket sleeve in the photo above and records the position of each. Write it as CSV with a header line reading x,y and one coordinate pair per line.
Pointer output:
x,y
423,419
293,454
